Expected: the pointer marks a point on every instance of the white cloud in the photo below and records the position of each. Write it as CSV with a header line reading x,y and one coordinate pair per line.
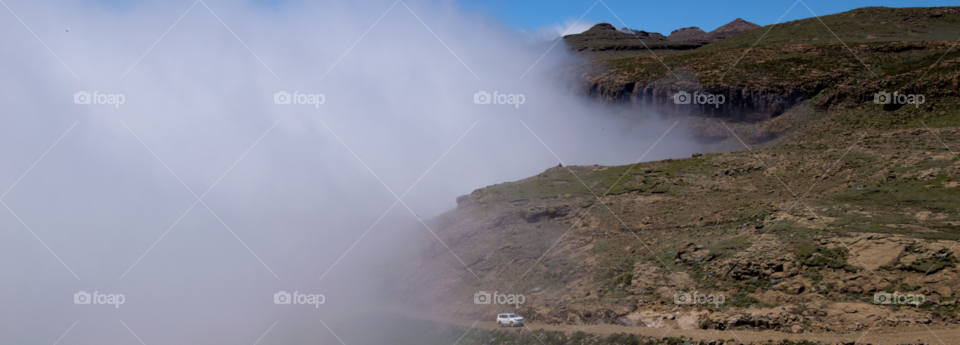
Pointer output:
x,y
199,99
552,32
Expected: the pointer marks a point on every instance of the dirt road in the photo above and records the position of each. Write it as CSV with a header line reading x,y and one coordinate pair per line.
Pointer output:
x,y
877,335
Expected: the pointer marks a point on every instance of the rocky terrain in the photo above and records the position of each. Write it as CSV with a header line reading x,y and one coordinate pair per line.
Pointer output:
x,y
833,214
798,238
764,72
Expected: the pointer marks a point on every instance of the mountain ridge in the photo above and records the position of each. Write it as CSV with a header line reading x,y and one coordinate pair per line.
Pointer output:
x,y
696,35
605,37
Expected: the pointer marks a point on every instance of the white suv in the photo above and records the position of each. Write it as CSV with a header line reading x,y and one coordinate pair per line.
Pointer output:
x,y
509,319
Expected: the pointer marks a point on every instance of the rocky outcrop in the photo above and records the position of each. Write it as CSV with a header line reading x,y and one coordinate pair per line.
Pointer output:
x,y
686,34
643,34
536,213
740,103
694,35
687,38
693,254
605,37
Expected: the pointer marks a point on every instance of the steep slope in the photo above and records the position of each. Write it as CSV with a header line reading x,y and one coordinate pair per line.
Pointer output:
x,y
878,215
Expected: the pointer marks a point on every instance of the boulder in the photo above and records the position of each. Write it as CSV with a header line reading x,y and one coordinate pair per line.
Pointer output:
x,y
693,254
536,213
874,254
945,291
691,320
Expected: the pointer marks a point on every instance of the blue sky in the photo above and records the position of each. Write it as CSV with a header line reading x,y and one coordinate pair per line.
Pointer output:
x,y
665,16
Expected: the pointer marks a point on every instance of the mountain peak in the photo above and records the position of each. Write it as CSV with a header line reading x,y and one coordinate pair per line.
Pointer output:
x,y
602,27
737,26
694,34
689,34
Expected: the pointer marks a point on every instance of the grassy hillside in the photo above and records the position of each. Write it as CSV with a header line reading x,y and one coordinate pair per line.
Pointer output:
x,y
882,49
879,213
845,199
863,25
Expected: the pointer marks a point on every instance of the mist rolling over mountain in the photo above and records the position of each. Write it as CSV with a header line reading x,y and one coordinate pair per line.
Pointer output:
x,y
421,172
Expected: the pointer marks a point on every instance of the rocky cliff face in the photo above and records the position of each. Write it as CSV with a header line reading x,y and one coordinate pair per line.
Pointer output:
x,y
740,103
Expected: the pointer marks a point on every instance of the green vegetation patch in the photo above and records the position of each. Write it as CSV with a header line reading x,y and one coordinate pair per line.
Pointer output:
x,y
741,300
930,265
815,255
604,181
729,246
928,194
813,274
